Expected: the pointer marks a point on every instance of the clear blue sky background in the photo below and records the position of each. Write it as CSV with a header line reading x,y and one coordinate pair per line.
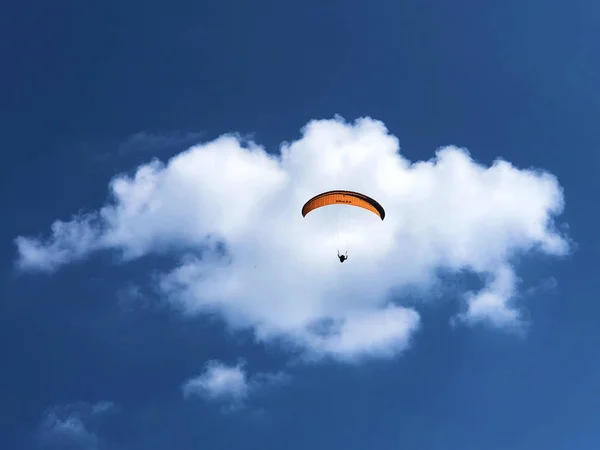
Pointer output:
x,y
516,79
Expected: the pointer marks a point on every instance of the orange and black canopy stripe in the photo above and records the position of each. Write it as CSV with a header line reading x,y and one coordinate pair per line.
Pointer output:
x,y
343,198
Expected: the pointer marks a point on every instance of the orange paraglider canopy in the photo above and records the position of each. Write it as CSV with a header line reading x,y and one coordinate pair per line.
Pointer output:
x,y
343,198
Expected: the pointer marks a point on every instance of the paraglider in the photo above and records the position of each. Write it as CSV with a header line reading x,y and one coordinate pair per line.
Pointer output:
x,y
344,198
340,197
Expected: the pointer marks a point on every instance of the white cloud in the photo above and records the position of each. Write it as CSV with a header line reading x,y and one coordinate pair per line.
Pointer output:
x,y
230,384
279,275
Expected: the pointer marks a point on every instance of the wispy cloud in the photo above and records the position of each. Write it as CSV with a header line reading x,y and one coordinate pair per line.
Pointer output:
x,y
151,143
140,144
73,426
229,384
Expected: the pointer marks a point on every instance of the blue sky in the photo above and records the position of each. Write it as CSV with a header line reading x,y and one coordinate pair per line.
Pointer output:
x,y
468,319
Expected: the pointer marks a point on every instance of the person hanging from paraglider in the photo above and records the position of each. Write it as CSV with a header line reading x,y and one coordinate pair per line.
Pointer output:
x,y
346,198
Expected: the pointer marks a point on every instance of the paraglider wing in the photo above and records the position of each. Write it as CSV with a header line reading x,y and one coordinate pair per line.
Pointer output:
x,y
343,198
